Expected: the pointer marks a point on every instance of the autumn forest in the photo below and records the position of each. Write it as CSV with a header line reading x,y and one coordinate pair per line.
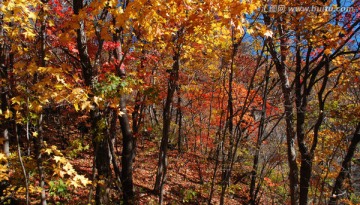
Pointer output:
x,y
179,102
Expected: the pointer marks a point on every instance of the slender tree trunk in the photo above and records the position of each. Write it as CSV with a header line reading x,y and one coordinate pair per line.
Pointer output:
x,y
26,178
162,164
112,139
301,104
129,146
214,175
229,124
38,144
289,115
179,120
4,92
128,155
209,121
290,137
345,167
38,140
99,135
102,156
253,192
6,123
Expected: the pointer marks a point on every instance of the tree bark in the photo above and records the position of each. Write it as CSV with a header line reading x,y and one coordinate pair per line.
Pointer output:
x,y
99,135
38,140
162,164
38,144
179,117
253,192
345,167
128,155
129,146
101,154
289,115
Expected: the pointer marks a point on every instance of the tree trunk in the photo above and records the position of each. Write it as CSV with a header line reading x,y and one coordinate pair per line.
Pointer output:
x,y
99,135
162,164
38,140
301,104
179,120
111,141
253,192
289,115
290,137
38,144
6,124
345,167
129,143
102,162
128,155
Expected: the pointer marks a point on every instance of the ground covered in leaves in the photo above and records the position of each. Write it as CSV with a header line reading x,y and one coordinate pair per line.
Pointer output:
x,y
188,180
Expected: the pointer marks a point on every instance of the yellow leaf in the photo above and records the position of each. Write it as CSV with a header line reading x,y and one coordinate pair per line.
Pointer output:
x,y
48,151
86,105
29,34
69,169
96,100
32,16
60,159
35,134
84,181
76,106
8,114
62,173
51,23
75,184
268,33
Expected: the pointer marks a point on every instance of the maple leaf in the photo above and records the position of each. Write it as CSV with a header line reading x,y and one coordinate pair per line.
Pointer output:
x,y
60,159
75,184
76,106
35,134
48,151
29,34
84,181
8,114
268,33
86,105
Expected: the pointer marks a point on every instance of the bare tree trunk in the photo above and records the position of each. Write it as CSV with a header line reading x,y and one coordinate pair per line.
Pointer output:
x,y
129,143
38,143
112,139
101,154
26,178
253,192
290,137
289,115
38,140
214,175
179,120
128,155
99,135
345,167
6,124
162,164
225,181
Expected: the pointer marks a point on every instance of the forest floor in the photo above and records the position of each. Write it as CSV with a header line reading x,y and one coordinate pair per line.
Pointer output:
x,y
188,179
